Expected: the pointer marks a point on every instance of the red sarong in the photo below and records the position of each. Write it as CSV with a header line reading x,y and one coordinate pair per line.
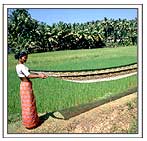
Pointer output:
x,y
30,117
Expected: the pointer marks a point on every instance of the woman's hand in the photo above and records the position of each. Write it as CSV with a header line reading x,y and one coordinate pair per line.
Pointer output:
x,y
42,75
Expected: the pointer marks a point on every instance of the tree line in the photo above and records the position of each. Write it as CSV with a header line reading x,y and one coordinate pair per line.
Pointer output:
x,y
26,33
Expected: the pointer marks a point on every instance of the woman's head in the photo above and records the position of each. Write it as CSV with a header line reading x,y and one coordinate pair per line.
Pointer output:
x,y
21,56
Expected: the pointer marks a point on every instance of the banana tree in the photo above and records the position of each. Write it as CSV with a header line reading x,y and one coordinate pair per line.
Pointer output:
x,y
20,25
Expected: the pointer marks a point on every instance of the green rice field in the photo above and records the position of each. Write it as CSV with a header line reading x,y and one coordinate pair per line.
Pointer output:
x,y
55,94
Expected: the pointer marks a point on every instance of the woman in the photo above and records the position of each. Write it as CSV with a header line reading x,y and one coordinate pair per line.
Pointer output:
x,y
30,117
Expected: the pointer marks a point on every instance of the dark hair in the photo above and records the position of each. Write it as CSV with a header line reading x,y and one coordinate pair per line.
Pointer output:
x,y
20,54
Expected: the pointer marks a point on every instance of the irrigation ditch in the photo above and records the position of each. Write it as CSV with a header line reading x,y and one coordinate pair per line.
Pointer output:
x,y
87,76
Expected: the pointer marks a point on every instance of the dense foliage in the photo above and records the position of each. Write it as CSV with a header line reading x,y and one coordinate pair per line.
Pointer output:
x,y
26,33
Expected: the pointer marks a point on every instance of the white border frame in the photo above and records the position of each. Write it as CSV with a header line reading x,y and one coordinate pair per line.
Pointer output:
x,y
140,97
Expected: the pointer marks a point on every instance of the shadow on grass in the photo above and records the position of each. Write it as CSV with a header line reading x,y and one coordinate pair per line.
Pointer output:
x,y
46,116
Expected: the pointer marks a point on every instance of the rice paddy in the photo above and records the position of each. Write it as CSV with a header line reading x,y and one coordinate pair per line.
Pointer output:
x,y
55,94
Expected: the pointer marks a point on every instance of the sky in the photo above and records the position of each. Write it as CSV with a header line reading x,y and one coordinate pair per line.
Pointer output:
x,y
50,16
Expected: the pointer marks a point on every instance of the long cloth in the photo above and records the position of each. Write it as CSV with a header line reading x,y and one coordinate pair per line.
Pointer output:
x,y
30,117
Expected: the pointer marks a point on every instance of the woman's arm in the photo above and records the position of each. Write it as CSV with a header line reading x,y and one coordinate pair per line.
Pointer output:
x,y
35,75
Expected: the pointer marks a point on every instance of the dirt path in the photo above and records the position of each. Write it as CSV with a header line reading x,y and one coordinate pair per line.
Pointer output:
x,y
113,117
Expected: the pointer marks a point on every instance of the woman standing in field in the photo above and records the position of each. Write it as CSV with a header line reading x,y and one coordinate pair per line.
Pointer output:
x,y
30,117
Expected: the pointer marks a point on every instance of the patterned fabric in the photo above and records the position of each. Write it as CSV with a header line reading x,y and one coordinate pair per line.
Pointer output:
x,y
29,111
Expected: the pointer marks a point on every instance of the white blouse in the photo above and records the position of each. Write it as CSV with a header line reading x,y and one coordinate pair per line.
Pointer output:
x,y
22,70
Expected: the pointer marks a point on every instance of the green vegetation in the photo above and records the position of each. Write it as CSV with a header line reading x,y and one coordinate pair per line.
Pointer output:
x,y
24,32
55,94
133,127
134,122
80,59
